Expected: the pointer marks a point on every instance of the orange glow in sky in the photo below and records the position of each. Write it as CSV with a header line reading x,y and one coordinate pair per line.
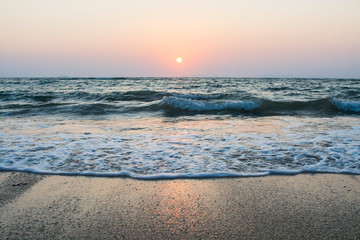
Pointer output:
x,y
142,38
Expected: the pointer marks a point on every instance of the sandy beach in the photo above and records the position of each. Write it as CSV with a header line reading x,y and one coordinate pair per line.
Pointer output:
x,y
305,206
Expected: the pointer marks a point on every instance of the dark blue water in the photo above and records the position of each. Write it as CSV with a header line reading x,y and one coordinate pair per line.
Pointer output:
x,y
78,97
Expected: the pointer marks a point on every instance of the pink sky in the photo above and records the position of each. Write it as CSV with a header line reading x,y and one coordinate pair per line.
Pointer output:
x,y
215,38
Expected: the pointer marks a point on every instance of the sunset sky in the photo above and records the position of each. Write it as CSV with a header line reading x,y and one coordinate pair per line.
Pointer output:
x,y
238,38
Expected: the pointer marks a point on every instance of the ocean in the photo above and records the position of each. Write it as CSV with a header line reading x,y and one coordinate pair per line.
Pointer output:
x,y
158,128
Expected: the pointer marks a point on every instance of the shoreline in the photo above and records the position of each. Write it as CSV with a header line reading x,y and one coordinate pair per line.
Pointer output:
x,y
165,177
272,207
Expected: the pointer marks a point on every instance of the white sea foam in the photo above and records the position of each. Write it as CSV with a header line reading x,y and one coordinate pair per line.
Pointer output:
x,y
347,106
154,149
196,105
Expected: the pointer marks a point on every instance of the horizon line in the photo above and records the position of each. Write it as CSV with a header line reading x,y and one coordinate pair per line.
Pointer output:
x,y
124,77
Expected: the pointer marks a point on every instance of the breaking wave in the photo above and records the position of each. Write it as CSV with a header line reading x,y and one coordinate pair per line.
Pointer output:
x,y
347,106
196,105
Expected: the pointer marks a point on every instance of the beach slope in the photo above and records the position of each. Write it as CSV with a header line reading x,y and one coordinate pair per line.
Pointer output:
x,y
305,206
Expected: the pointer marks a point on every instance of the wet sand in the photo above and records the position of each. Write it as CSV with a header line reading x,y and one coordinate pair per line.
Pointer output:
x,y
305,206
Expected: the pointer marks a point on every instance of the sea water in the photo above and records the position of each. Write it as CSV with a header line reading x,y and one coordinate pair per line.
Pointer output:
x,y
179,127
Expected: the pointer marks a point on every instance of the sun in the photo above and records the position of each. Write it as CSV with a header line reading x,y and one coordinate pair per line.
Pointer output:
x,y
179,59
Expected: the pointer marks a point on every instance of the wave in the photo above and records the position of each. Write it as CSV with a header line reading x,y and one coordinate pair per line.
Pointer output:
x,y
264,106
200,106
347,106
319,106
84,103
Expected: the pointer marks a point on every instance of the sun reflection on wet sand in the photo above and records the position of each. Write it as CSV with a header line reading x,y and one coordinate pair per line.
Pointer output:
x,y
179,209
